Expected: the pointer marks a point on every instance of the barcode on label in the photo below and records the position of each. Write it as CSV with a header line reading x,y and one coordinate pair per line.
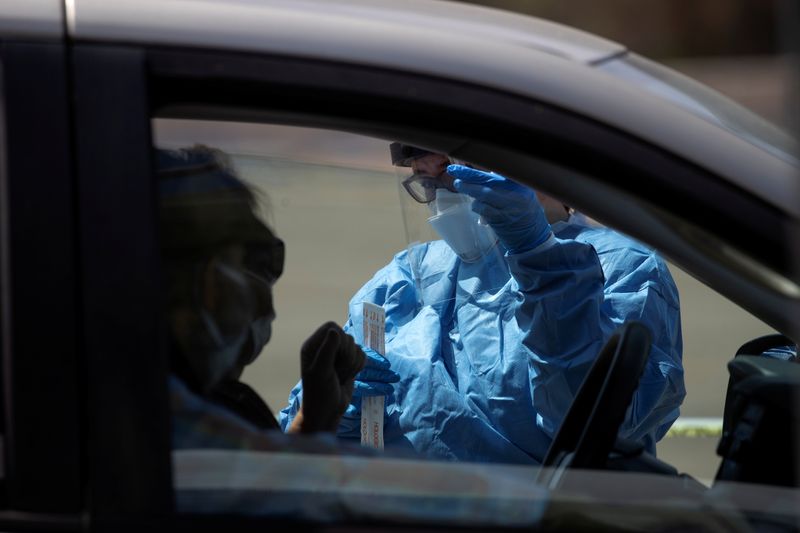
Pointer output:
x,y
374,324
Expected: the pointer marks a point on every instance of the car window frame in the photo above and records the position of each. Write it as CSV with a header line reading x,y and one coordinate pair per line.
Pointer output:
x,y
128,438
118,223
43,476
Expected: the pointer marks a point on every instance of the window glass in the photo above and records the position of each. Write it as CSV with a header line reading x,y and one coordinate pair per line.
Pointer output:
x,y
325,214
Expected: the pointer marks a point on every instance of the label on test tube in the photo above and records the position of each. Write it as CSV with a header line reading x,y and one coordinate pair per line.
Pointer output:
x,y
372,406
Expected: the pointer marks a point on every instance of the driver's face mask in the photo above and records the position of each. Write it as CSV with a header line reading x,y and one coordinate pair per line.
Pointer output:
x,y
263,265
260,328
226,325
233,301
459,226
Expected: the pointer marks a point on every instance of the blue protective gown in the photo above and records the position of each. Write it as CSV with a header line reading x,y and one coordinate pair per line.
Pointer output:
x,y
489,370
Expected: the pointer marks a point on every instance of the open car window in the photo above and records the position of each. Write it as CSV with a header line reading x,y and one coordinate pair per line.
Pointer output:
x,y
336,202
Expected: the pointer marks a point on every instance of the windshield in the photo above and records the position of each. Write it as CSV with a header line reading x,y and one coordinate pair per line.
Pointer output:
x,y
703,102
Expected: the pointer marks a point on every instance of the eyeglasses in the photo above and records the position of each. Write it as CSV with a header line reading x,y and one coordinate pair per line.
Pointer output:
x,y
422,187
265,260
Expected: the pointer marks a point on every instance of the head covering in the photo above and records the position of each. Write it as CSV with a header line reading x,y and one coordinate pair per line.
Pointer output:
x,y
404,154
206,207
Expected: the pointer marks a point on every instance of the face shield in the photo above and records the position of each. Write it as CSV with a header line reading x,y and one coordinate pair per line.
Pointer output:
x,y
435,215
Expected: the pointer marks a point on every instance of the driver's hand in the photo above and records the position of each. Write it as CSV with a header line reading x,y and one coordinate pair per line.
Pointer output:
x,y
329,361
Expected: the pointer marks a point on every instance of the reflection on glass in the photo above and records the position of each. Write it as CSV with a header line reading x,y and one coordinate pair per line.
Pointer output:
x,y
703,102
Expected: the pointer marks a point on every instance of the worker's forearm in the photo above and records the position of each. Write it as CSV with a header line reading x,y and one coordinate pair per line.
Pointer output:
x,y
297,424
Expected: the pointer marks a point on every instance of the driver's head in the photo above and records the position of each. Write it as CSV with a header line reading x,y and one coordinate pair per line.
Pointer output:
x,y
220,261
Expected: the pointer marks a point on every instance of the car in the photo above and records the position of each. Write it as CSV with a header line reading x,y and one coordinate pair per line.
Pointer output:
x,y
306,95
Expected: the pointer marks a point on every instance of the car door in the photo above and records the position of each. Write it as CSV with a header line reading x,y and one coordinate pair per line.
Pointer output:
x,y
119,89
43,473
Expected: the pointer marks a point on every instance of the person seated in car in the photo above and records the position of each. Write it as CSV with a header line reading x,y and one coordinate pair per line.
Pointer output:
x,y
221,262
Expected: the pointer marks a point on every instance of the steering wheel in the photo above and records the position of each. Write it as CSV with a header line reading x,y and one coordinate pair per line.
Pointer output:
x,y
589,430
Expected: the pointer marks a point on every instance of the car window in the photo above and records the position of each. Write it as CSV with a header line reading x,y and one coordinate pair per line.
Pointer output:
x,y
339,206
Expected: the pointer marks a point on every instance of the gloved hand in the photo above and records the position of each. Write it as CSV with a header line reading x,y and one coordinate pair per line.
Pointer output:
x,y
329,360
511,209
374,380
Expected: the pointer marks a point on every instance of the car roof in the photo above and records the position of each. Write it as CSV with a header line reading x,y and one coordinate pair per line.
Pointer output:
x,y
475,45
372,16
41,19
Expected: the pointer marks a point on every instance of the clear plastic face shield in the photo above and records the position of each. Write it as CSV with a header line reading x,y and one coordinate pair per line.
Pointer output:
x,y
435,215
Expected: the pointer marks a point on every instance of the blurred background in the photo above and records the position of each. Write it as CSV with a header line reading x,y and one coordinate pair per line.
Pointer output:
x,y
739,47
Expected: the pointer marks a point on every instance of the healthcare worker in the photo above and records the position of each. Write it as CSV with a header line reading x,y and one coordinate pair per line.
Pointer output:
x,y
220,262
492,327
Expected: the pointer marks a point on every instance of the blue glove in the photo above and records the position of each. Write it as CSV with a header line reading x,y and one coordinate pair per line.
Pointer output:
x,y
375,379
511,209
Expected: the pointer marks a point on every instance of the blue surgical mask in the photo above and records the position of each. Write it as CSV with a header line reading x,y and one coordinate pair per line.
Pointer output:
x,y
224,354
260,333
217,347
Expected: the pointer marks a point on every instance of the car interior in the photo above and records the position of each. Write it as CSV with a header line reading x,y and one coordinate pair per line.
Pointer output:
x,y
587,438
759,431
